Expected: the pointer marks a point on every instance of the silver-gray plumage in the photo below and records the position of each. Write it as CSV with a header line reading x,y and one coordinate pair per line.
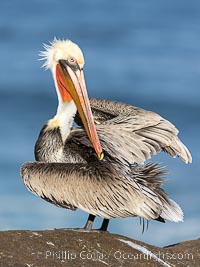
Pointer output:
x,y
68,174
102,190
137,134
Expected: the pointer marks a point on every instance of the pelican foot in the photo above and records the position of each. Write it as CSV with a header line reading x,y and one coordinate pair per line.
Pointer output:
x,y
68,228
74,229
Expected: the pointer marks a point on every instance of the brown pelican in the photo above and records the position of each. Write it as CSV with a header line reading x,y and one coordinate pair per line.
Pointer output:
x,y
100,168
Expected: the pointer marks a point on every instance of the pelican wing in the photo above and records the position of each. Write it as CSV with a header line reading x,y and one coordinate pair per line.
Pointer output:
x,y
134,135
102,190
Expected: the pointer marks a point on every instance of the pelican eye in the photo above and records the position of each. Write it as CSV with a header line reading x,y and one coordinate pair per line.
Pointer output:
x,y
71,60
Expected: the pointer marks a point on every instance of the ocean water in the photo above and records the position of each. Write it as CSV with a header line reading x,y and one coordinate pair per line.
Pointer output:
x,y
145,53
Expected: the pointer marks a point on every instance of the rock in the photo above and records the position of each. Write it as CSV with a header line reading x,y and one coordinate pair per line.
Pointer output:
x,y
66,247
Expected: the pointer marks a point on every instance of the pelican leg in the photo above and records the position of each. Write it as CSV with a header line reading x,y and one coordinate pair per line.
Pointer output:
x,y
89,223
104,225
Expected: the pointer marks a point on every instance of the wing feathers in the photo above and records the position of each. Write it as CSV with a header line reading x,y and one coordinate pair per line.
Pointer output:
x,y
101,190
139,141
137,134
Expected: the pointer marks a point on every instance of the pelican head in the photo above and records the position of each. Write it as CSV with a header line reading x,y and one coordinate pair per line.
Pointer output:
x,y
65,60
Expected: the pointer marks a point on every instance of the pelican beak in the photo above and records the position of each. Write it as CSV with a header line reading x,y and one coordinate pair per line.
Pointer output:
x,y
71,84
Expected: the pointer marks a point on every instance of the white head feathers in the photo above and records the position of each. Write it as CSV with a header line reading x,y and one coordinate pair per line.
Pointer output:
x,y
60,49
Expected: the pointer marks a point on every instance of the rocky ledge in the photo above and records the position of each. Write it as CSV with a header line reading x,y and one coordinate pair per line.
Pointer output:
x,y
81,248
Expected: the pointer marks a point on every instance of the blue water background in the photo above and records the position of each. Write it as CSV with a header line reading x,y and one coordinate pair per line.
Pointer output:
x,y
145,53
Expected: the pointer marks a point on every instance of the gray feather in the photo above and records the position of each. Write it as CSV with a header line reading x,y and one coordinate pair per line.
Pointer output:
x,y
101,189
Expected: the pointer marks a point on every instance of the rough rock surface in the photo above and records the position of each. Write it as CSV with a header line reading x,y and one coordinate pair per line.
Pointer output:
x,y
81,248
